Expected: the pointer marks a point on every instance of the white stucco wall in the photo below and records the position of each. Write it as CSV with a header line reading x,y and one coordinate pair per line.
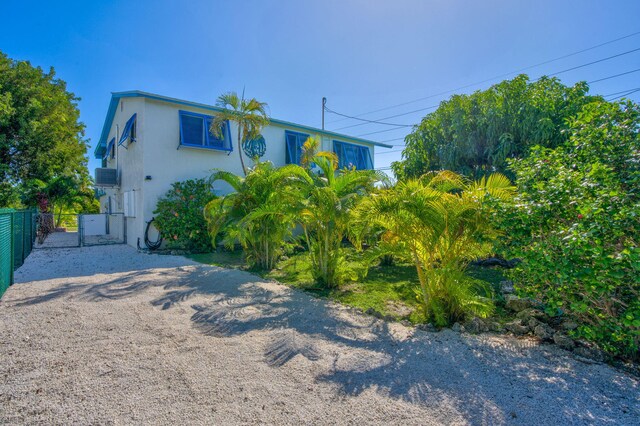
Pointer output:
x,y
156,154
129,163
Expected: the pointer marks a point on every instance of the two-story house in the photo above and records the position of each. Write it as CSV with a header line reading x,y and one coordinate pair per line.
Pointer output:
x,y
149,141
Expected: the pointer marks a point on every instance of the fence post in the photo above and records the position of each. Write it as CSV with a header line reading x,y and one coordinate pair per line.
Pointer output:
x,y
80,230
23,235
12,249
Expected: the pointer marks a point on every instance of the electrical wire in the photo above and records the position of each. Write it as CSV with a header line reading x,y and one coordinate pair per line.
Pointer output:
x,y
630,92
435,106
622,91
389,152
500,76
367,121
613,76
380,131
592,63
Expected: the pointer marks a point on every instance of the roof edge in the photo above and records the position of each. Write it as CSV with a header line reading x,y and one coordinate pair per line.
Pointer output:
x,y
116,96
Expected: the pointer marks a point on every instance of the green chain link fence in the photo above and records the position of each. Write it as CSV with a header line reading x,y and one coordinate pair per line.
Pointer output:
x,y
17,236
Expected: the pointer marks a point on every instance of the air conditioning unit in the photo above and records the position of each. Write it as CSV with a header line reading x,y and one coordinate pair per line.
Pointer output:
x,y
106,177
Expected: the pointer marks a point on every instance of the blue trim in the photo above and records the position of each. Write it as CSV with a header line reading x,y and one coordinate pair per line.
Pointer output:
x,y
116,96
207,143
361,155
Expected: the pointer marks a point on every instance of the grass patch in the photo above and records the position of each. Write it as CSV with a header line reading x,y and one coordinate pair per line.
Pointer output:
x,y
389,290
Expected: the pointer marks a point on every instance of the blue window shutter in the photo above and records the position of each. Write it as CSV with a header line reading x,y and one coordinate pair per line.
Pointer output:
x,y
195,130
350,155
110,152
223,142
294,142
191,130
126,132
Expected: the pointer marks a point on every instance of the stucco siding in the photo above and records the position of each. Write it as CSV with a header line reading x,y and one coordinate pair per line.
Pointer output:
x,y
156,160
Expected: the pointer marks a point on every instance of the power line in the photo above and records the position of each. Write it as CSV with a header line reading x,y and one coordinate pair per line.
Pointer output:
x,y
630,92
391,116
556,73
617,93
497,76
380,131
389,152
367,121
593,62
613,76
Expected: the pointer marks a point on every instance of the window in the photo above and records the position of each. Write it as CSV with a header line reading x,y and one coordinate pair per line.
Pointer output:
x,y
294,141
129,132
111,150
195,132
350,155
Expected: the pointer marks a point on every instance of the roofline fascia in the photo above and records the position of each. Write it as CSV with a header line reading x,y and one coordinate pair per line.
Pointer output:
x,y
116,96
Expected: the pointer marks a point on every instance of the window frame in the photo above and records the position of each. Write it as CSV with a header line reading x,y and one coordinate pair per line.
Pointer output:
x,y
299,145
341,164
206,122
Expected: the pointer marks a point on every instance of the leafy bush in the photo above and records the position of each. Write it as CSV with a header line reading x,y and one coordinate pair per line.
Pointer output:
x,y
576,225
325,215
439,224
258,215
180,215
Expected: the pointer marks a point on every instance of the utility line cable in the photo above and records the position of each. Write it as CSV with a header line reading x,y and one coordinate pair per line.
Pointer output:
x,y
630,92
435,106
392,116
497,76
617,93
613,76
367,121
592,63
380,131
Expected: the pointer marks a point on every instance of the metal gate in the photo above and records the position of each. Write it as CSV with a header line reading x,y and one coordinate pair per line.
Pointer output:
x,y
65,232
102,229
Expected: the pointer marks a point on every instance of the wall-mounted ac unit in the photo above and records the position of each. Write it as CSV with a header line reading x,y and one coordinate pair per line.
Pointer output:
x,y
106,177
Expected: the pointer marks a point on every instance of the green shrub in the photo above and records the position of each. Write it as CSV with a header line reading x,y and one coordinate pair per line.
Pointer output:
x,y
180,215
576,225
257,215
439,223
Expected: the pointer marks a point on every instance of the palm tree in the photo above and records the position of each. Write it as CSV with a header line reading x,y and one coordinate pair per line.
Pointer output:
x,y
259,214
250,116
325,210
439,222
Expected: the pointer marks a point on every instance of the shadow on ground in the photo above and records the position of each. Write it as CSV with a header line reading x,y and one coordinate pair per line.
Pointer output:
x,y
490,379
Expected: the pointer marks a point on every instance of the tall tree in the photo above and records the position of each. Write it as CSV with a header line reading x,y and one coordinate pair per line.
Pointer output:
x,y
476,134
41,136
250,116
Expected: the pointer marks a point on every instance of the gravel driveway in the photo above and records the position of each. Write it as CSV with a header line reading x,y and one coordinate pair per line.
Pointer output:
x,y
106,335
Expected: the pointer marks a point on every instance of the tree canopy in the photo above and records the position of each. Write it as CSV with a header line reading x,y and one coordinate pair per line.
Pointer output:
x,y
41,136
476,134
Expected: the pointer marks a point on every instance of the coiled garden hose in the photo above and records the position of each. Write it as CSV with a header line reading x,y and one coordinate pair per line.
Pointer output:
x,y
151,245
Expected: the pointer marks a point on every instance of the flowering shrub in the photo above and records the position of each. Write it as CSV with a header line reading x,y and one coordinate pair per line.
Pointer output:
x,y
576,225
180,217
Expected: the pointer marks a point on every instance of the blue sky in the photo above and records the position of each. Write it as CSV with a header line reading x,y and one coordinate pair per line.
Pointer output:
x,y
362,55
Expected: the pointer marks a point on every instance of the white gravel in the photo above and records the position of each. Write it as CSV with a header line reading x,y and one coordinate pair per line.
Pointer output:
x,y
106,335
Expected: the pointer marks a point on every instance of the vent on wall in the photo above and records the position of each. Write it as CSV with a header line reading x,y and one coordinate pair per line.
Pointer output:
x,y
106,177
